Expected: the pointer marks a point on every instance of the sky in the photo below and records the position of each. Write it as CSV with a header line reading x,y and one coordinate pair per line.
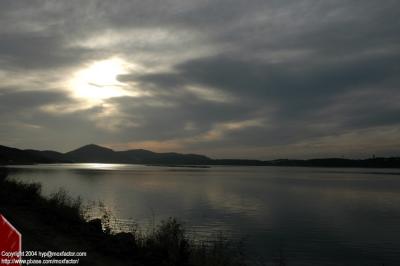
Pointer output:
x,y
227,78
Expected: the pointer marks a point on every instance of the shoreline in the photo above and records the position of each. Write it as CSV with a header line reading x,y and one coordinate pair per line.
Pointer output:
x,y
57,223
206,166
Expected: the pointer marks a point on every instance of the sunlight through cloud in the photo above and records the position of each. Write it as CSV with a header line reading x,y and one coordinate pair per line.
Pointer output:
x,y
98,81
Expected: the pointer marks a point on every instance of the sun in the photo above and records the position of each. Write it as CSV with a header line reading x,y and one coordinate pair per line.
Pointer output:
x,y
98,81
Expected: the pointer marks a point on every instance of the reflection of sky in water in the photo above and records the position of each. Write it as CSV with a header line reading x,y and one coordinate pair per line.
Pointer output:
x,y
312,214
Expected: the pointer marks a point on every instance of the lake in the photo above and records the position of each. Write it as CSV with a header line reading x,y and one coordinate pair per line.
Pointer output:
x,y
313,216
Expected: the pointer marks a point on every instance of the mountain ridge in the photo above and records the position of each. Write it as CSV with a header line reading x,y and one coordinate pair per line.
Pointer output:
x,y
93,153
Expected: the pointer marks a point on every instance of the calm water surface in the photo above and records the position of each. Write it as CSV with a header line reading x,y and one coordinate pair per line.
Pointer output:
x,y
314,216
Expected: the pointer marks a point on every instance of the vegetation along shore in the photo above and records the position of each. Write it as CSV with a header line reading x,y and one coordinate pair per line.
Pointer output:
x,y
58,223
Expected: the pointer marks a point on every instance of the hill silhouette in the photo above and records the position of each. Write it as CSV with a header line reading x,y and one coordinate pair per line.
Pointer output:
x,y
10,155
97,154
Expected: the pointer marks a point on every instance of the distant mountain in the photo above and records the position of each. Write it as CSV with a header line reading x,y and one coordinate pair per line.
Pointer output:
x,y
16,156
92,154
49,156
96,154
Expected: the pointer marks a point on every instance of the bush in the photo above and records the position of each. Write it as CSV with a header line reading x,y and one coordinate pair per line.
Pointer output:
x,y
65,207
169,243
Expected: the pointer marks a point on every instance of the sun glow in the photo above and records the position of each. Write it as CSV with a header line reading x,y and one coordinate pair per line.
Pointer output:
x,y
98,81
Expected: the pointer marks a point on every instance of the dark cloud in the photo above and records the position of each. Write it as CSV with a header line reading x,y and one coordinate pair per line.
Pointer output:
x,y
179,117
296,87
14,100
37,52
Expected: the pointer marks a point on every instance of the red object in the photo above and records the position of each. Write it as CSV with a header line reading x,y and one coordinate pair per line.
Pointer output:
x,y
10,243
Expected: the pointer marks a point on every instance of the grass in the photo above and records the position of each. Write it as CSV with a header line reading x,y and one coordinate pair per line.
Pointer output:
x,y
167,244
